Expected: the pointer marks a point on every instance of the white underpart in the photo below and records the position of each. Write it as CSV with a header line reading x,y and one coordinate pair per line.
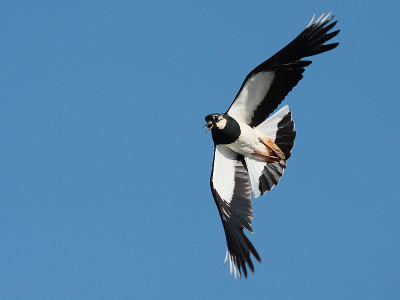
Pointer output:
x,y
251,95
269,128
248,141
224,172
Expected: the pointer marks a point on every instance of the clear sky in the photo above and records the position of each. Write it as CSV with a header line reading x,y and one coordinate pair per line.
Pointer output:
x,y
104,182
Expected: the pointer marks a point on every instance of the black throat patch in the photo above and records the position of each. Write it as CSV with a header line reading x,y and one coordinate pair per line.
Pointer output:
x,y
229,134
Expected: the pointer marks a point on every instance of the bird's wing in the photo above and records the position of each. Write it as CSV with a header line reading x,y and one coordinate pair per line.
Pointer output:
x,y
231,189
268,84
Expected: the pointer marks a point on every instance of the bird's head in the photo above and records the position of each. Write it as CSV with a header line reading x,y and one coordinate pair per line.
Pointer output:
x,y
215,121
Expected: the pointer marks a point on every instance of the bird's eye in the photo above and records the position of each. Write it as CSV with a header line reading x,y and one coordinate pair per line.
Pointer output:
x,y
216,118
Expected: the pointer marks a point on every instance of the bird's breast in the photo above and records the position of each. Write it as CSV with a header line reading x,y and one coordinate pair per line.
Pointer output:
x,y
248,142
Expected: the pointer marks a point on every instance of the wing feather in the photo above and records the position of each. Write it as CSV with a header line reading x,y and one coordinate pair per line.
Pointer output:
x,y
231,189
267,85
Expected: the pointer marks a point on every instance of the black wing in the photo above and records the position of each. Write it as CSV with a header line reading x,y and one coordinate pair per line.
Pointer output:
x,y
231,189
269,83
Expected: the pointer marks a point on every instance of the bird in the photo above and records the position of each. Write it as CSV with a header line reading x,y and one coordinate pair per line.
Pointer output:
x,y
251,146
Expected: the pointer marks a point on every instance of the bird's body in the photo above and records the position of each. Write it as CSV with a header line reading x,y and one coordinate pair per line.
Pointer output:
x,y
247,141
252,147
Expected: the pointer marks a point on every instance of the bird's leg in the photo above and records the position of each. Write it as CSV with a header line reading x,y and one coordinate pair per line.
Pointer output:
x,y
266,157
272,147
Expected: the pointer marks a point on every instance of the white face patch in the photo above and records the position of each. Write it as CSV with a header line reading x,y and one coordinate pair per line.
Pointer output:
x,y
221,123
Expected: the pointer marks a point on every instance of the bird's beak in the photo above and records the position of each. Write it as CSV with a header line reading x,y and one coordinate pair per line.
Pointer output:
x,y
209,125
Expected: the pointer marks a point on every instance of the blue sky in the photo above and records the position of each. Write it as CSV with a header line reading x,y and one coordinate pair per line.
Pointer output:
x,y
104,190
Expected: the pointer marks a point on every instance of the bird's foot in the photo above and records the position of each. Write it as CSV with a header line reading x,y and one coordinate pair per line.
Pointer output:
x,y
267,157
272,147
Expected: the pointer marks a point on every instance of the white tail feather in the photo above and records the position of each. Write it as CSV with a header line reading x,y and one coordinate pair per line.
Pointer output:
x,y
269,128
255,169
270,125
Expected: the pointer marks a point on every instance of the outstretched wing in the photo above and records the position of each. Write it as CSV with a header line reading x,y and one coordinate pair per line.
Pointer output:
x,y
231,189
269,83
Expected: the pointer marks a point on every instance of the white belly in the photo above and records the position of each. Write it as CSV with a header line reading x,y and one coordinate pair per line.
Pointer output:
x,y
248,143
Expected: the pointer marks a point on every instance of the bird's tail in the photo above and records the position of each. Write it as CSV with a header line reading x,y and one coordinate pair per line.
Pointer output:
x,y
280,129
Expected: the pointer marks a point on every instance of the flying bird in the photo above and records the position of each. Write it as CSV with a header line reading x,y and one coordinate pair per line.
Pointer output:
x,y
250,151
